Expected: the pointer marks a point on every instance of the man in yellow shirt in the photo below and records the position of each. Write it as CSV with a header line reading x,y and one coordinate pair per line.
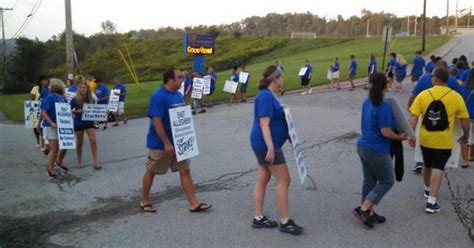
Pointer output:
x,y
436,146
91,82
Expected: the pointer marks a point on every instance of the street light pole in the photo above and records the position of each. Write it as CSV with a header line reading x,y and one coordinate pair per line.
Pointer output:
x,y
423,41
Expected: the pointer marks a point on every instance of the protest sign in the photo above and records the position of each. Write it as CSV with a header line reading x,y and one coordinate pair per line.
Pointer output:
x,y
230,86
207,85
243,77
114,101
32,113
302,71
329,75
403,126
198,85
181,89
65,125
295,143
184,135
94,112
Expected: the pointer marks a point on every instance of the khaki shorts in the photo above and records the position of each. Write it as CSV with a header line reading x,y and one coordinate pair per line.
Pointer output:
x,y
158,163
50,133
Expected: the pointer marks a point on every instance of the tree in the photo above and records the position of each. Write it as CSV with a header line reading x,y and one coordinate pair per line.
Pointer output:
x,y
108,27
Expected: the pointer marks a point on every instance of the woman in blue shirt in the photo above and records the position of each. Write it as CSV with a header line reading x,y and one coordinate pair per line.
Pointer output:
x,y
468,94
400,71
84,96
373,148
269,133
372,69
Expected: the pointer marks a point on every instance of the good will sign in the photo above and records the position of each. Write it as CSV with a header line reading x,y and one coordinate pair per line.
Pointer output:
x,y
65,126
184,136
94,112
300,164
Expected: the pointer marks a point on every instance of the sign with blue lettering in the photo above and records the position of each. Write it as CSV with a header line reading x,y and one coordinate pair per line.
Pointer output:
x,y
184,135
203,44
295,143
65,125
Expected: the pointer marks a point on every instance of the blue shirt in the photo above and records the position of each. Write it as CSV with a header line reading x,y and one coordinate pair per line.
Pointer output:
x,y
213,80
78,122
235,77
430,67
188,81
267,105
460,74
43,91
122,89
418,66
372,66
335,67
160,102
102,91
465,76
468,99
49,105
425,83
400,69
353,68
373,119
392,64
308,71
72,88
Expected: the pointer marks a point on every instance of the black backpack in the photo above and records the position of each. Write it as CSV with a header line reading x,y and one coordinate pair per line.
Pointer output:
x,y
436,117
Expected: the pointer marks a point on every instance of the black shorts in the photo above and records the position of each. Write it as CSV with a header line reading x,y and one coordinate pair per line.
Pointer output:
x,y
304,81
278,160
84,127
435,158
414,78
243,88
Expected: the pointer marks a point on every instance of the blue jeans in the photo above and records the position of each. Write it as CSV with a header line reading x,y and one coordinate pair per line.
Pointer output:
x,y
378,174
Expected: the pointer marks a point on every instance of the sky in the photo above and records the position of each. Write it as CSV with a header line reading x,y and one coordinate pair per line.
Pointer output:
x,y
87,15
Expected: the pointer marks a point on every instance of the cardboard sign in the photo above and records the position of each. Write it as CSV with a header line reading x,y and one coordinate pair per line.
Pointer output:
x,y
94,112
207,85
114,101
243,77
455,159
184,135
230,86
295,143
302,71
32,113
198,86
65,125
181,89
329,75
69,95
403,126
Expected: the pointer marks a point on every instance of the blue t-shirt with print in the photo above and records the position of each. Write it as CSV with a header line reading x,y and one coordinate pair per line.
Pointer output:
x,y
49,105
78,122
102,91
308,71
418,66
122,89
235,77
268,105
160,102
373,119
425,83
353,68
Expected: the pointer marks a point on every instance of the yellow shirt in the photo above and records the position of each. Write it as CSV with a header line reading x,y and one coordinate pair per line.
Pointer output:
x,y
35,92
455,107
92,85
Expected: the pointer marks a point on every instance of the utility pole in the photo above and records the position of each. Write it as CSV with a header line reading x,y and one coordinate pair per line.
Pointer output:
x,y
368,27
2,10
423,40
69,41
416,24
408,26
456,20
447,18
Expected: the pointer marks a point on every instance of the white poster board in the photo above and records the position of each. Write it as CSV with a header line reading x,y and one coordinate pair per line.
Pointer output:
x,y
403,126
32,113
302,71
65,125
455,159
114,101
198,86
243,77
94,112
181,89
329,75
184,135
69,95
207,85
300,164
230,86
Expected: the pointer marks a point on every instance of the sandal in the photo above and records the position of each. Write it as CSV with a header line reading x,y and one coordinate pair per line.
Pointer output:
x,y
201,207
97,167
147,208
465,166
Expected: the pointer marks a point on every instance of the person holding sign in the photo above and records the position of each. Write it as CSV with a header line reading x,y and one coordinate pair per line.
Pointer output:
x,y
306,77
335,74
121,91
269,133
439,107
48,112
161,155
373,148
244,83
196,94
38,93
234,76
102,93
211,73
84,96
352,72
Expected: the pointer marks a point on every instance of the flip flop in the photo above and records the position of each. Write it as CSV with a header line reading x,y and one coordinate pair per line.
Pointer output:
x,y
147,208
201,207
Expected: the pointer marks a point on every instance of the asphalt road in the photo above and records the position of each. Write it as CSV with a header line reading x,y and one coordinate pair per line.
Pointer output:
x,y
88,208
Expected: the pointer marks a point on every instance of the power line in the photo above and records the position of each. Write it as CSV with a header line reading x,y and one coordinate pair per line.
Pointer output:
x,y
27,19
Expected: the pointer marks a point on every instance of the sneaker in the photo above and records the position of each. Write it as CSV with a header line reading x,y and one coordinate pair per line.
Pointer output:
x,y
46,152
377,219
363,216
96,126
426,194
61,165
264,223
432,208
291,228
104,128
304,93
418,167
310,91
202,111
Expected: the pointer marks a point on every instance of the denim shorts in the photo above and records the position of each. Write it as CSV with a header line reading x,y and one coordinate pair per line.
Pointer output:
x,y
278,160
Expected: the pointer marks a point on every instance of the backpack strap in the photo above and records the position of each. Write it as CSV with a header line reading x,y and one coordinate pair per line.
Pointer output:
x,y
445,94
442,96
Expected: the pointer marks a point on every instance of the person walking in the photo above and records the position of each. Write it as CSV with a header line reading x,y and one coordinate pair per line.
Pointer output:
x,y
418,67
306,78
400,72
352,72
120,90
335,74
372,69
467,150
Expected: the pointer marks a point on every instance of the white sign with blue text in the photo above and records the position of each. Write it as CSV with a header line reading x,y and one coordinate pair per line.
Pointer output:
x,y
65,125
295,143
184,135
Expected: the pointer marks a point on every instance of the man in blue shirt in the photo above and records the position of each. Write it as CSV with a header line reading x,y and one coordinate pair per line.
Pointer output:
x,y
352,72
234,76
211,73
431,65
120,90
244,86
306,78
372,69
102,93
159,141
418,67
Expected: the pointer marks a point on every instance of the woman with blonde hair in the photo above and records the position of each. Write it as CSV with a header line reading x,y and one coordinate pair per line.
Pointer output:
x,y
48,112
400,71
84,96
